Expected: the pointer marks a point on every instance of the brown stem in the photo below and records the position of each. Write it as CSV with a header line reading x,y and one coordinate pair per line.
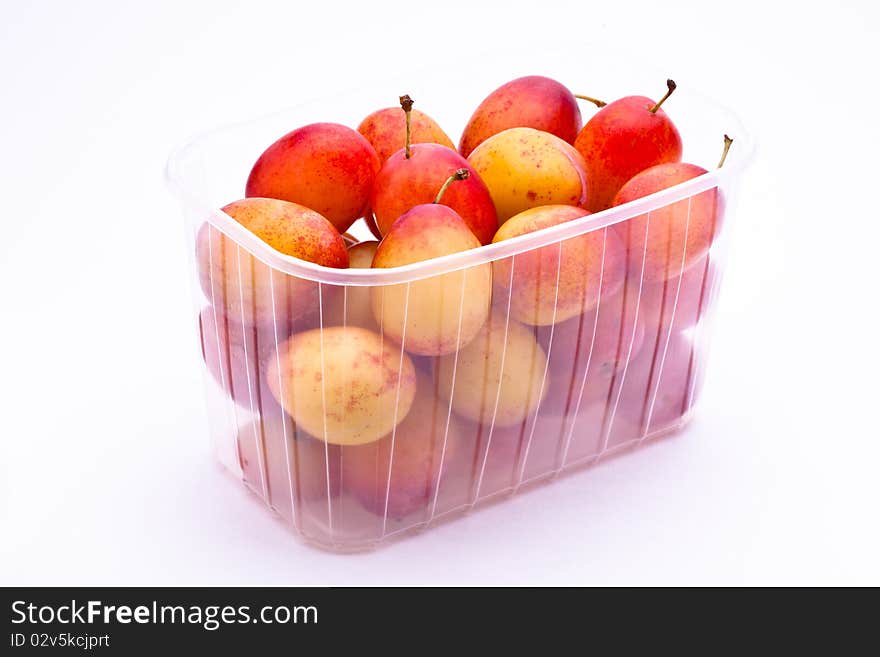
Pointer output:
x,y
727,142
595,101
406,103
460,174
670,87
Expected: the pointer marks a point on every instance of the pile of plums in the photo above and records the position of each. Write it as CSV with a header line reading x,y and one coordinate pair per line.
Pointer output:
x,y
411,399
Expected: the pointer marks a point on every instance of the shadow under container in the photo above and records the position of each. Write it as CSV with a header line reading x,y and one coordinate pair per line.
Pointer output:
x,y
552,366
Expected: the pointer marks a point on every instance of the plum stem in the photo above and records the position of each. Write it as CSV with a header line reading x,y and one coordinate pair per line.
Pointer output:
x,y
406,103
670,87
460,174
595,101
727,143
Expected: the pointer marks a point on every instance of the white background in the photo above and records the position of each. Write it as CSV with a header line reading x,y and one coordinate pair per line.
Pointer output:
x,y
106,475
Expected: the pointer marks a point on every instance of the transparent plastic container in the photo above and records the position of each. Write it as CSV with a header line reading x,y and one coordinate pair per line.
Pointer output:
x,y
516,405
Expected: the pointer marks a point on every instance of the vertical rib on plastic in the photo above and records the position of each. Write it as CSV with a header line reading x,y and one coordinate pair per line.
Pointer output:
x,y
294,507
476,490
436,495
572,417
396,404
525,456
608,421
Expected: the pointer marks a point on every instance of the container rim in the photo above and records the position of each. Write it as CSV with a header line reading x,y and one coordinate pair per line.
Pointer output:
x,y
740,158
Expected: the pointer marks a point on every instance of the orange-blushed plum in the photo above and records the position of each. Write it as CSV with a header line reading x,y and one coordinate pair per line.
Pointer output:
x,y
588,350
325,166
495,468
345,385
289,469
679,302
498,377
553,283
247,289
660,383
626,136
594,429
394,128
456,485
524,168
237,356
493,460
532,101
404,182
435,315
521,453
672,238
385,129
351,306
399,474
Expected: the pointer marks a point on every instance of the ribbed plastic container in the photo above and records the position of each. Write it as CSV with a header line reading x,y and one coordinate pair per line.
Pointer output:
x,y
517,404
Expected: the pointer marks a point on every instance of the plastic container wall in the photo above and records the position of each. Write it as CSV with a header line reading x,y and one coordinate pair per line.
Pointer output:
x,y
535,379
